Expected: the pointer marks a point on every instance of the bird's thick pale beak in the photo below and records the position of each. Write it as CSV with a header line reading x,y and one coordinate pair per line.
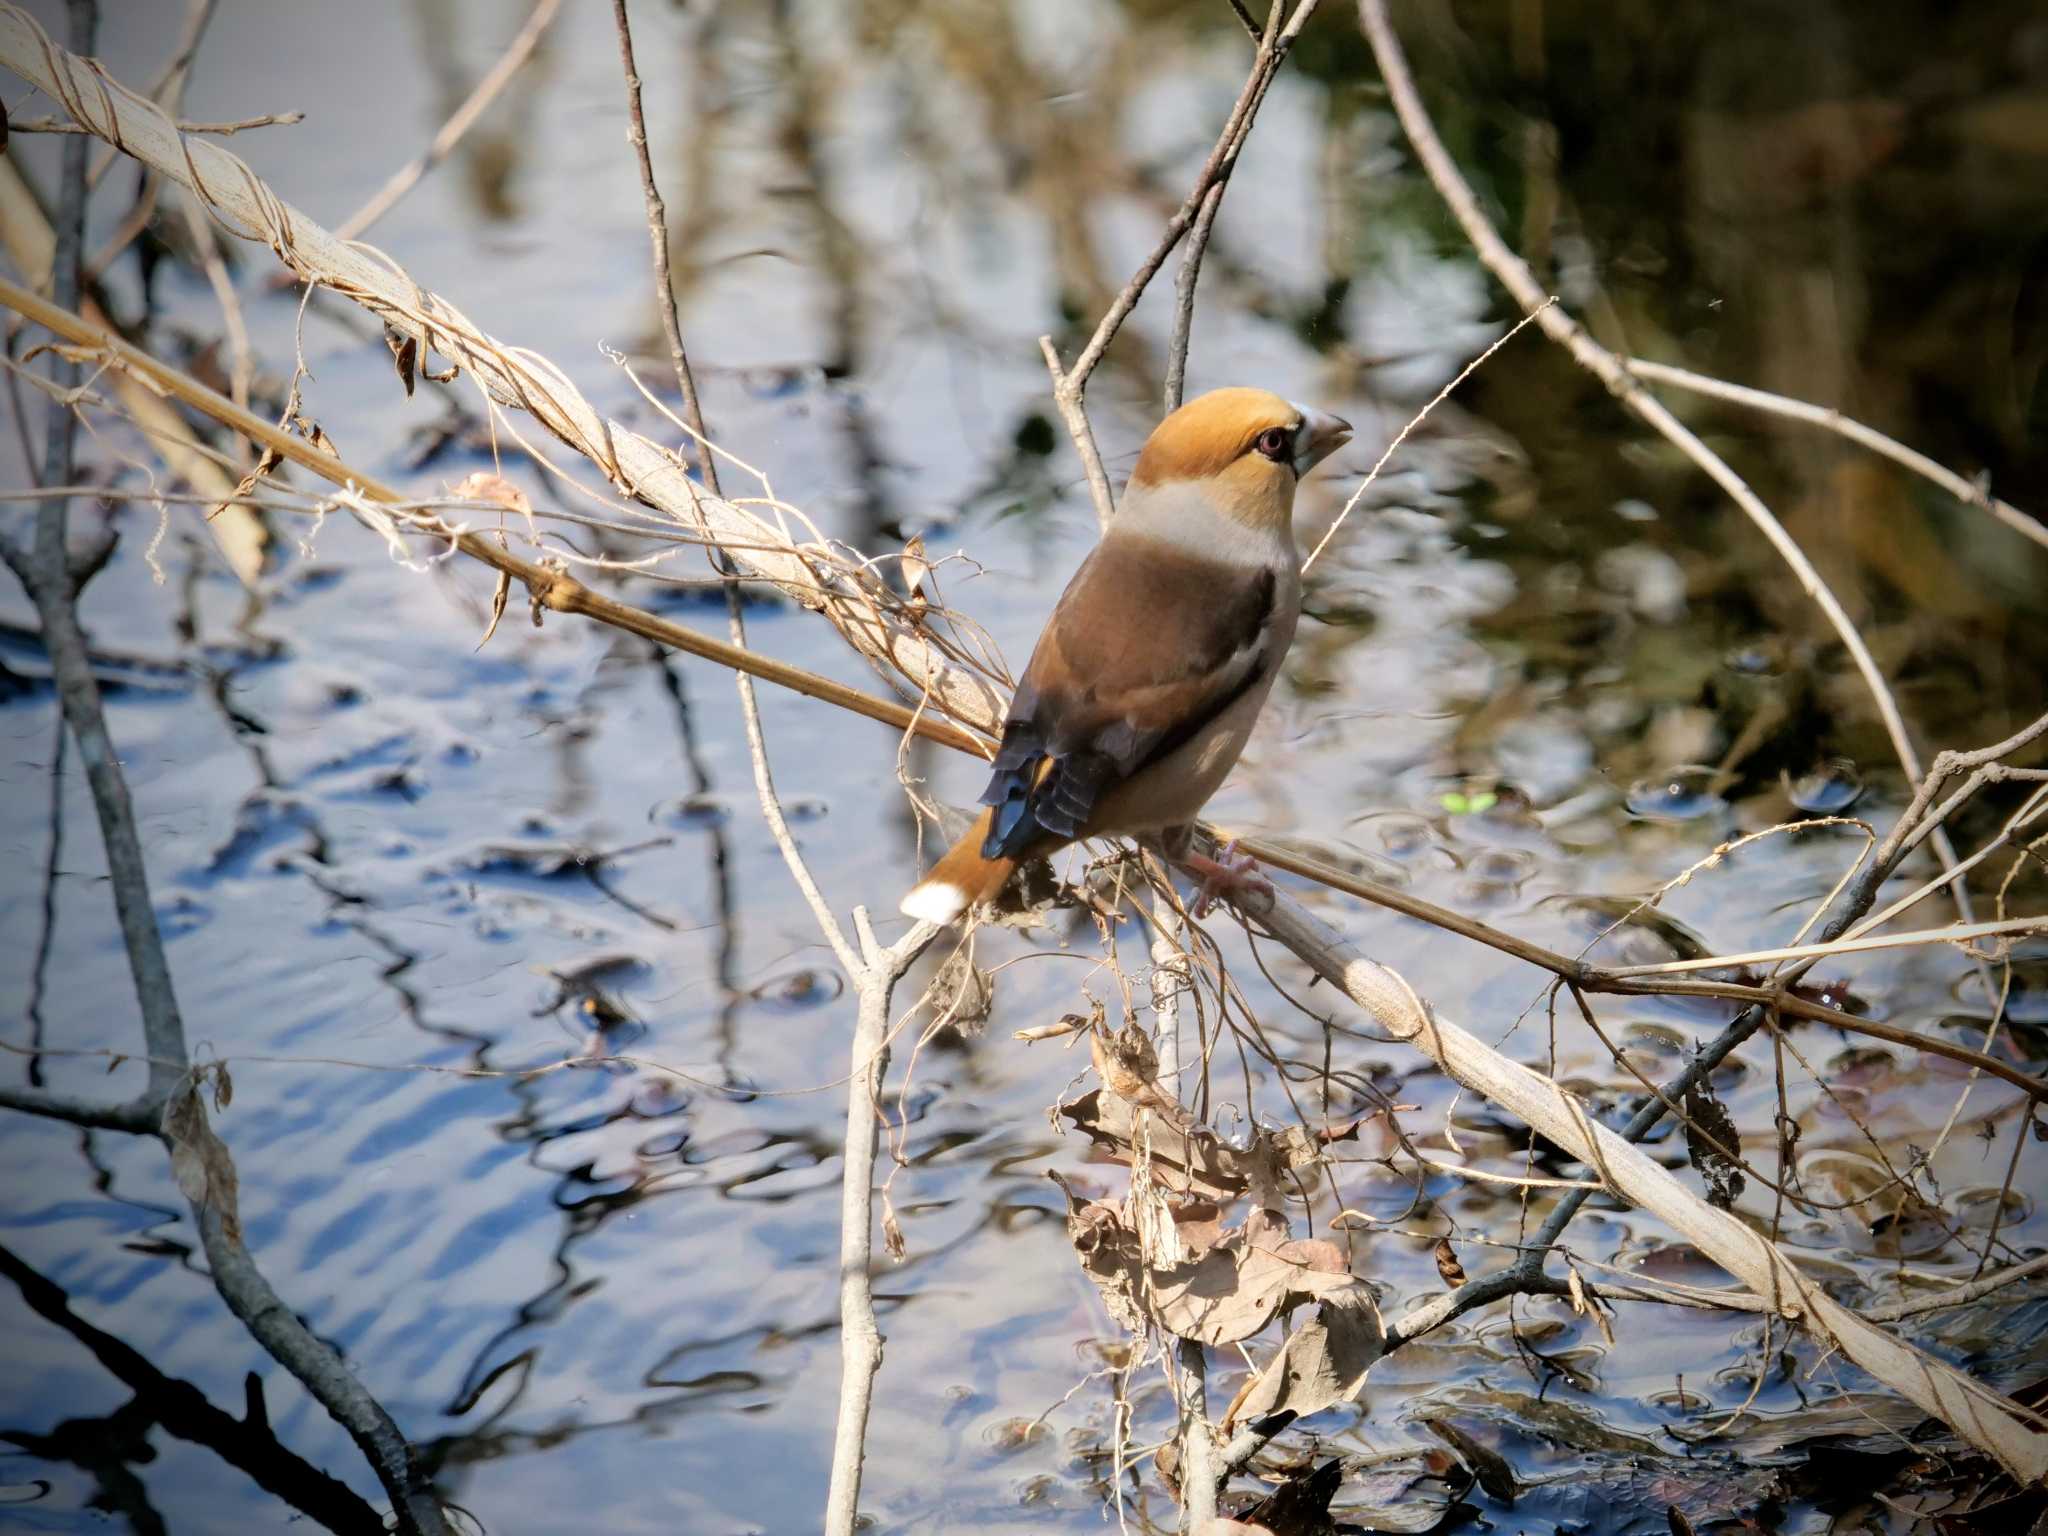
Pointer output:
x,y
1320,436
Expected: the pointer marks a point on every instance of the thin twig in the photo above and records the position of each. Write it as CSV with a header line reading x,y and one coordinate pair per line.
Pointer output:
x,y
52,582
168,91
860,1337
1971,492
1958,1295
873,970
1070,385
1184,295
459,122
1199,1479
1956,934
136,1116
657,235
241,358
1415,421
65,125
1514,275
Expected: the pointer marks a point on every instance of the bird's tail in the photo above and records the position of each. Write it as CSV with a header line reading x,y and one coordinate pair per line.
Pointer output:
x,y
962,879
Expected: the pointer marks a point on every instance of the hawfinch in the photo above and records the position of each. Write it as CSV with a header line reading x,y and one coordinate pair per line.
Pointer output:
x,y
1143,688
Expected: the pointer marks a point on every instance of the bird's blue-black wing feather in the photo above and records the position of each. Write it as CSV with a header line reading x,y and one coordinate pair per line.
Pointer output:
x,y
1063,745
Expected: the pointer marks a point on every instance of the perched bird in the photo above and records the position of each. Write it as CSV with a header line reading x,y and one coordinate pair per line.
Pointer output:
x,y
1143,688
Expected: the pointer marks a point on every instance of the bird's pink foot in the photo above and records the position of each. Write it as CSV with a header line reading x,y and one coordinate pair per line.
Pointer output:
x,y
1227,875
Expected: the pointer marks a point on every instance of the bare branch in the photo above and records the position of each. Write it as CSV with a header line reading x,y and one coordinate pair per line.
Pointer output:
x,y
1831,420
139,1117
860,1337
1958,1295
1070,385
1200,1476
459,123
657,234
221,130
1514,275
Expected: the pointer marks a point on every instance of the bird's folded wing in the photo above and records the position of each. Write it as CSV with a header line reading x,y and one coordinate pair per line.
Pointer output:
x,y
1148,645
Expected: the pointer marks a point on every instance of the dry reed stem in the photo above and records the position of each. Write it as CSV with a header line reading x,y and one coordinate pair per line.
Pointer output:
x,y
1984,1417
219,130
512,377
550,588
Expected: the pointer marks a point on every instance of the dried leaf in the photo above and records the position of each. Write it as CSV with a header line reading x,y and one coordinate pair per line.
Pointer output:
x,y
1300,1506
1323,1363
962,993
1713,1145
199,1159
1486,1464
1128,1064
483,485
500,594
1192,1157
266,461
223,1086
1447,1263
405,355
1244,1281
917,571
1109,1254
892,1236
313,433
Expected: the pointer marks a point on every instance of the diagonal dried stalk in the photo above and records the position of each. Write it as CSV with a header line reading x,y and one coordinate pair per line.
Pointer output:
x,y
511,378
1987,1419
223,130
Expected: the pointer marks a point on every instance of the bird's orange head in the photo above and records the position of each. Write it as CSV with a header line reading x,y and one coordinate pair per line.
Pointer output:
x,y
1248,447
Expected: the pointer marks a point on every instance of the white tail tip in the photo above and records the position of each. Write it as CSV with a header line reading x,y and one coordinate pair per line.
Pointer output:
x,y
935,901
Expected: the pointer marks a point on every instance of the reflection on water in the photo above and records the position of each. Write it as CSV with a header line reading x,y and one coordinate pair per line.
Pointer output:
x,y
1545,671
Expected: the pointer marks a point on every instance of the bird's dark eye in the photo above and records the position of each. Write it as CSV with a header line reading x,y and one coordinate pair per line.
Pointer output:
x,y
1275,443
